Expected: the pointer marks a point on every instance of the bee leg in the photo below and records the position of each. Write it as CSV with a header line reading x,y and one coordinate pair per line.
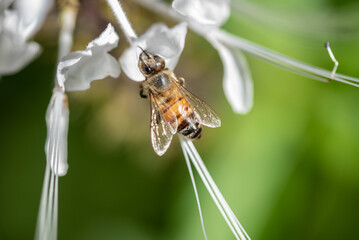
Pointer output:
x,y
181,81
143,91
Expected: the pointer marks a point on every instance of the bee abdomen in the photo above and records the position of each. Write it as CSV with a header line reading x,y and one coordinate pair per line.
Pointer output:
x,y
175,113
189,130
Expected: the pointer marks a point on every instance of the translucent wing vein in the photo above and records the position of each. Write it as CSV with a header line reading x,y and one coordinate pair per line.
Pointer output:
x,y
161,132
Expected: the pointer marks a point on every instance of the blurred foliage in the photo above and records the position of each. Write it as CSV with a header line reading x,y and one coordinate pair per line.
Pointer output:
x,y
289,169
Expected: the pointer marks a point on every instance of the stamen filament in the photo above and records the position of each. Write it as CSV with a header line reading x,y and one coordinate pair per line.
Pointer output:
x,y
122,20
281,60
331,55
227,213
195,191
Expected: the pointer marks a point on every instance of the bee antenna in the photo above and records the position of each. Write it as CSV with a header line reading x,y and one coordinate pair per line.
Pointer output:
x,y
143,51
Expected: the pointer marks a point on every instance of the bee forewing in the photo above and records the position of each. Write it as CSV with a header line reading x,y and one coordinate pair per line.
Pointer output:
x,y
161,132
204,113
170,114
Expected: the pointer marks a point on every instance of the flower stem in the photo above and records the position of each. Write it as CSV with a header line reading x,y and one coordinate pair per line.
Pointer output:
x,y
122,20
68,16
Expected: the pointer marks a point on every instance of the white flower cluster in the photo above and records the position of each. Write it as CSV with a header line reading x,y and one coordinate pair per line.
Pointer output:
x,y
76,70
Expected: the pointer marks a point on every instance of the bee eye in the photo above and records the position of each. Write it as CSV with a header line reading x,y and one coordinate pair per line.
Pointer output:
x,y
160,63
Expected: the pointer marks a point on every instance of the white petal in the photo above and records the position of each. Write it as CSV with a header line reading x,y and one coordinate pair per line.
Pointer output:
x,y
15,52
237,80
158,39
32,14
57,120
209,12
78,69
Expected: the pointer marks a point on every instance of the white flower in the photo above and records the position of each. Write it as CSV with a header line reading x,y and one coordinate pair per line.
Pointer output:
x,y
207,16
33,14
17,26
159,39
78,69
15,51
212,12
57,120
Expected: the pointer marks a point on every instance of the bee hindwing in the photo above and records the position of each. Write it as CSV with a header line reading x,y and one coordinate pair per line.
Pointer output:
x,y
204,113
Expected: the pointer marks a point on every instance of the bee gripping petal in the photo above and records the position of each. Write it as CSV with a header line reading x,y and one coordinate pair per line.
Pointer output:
x,y
158,39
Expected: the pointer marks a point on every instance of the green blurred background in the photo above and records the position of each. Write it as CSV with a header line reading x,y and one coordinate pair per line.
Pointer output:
x,y
289,169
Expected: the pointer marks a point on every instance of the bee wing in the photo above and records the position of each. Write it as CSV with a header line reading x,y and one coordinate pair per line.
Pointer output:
x,y
204,113
161,131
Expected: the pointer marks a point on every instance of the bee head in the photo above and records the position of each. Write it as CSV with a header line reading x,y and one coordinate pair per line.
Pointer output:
x,y
149,63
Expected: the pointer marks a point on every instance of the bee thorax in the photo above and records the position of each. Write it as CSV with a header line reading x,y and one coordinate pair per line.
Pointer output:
x,y
160,82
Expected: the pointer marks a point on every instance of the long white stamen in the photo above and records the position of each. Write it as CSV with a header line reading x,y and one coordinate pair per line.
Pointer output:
x,y
41,220
331,55
234,41
205,182
195,191
122,20
47,220
238,226
280,59
227,213
50,208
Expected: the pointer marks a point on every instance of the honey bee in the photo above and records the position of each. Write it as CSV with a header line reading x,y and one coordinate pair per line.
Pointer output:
x,y
174,109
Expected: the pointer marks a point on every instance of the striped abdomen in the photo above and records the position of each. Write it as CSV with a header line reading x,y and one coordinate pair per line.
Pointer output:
x,y
179,113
